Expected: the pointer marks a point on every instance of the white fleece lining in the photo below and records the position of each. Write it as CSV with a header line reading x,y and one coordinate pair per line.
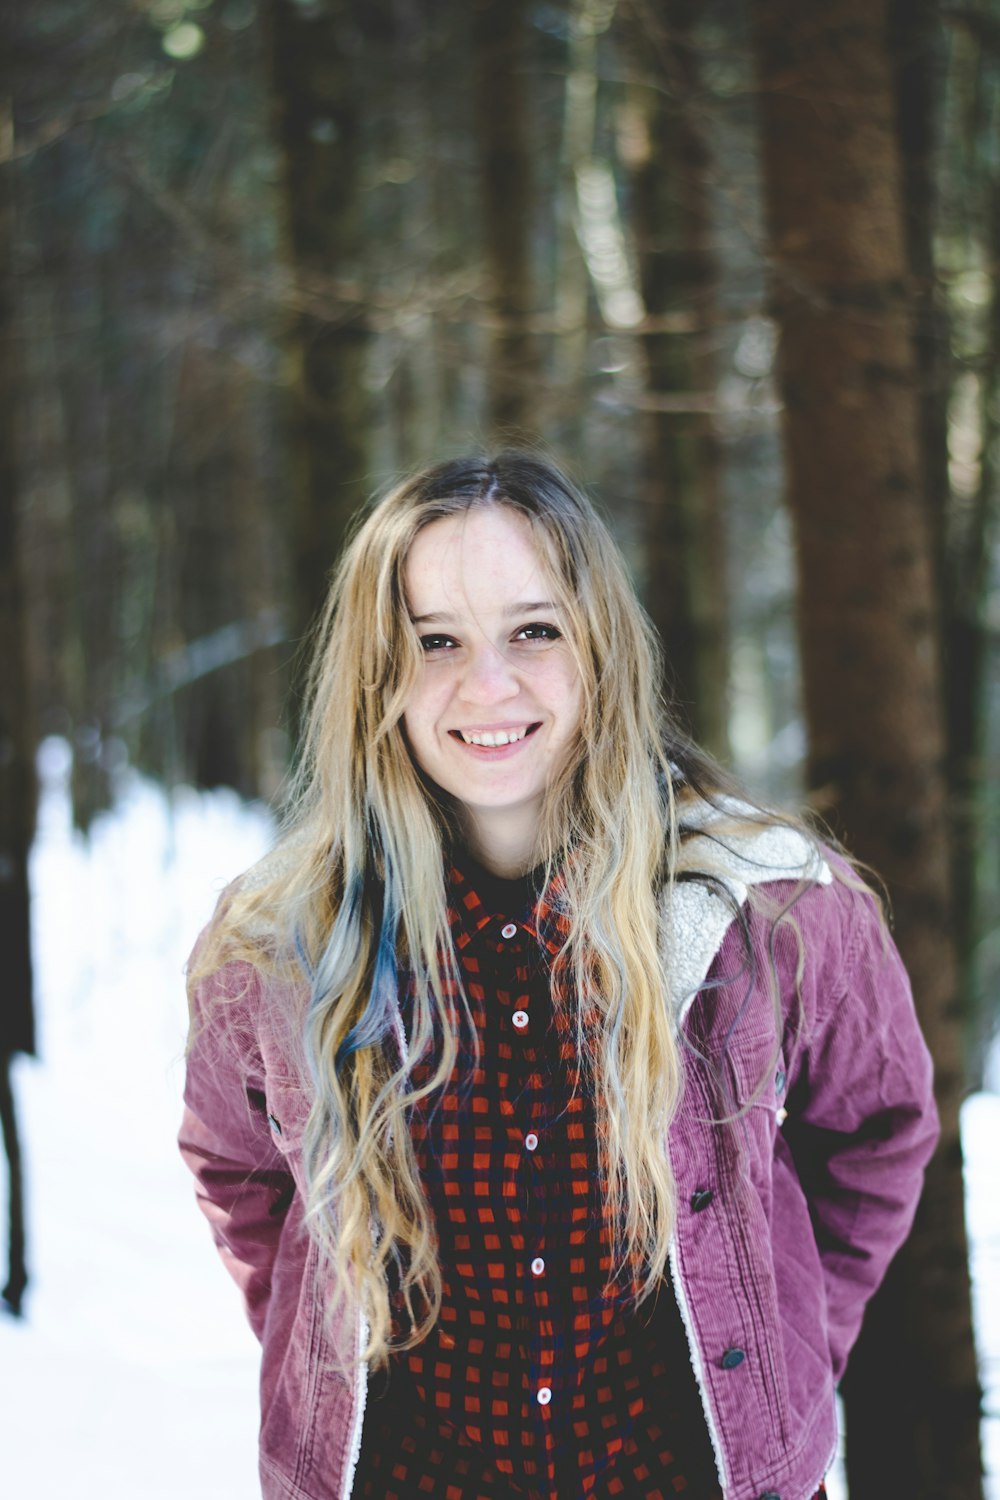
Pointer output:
x,y
696,917
360,1401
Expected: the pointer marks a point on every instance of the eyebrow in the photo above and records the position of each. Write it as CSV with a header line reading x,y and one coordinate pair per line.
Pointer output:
x,y
528,607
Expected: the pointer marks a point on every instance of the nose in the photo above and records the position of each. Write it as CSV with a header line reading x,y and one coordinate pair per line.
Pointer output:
x,y
488,677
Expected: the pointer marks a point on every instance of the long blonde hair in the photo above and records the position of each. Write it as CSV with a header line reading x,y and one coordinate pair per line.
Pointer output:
x,y
357,889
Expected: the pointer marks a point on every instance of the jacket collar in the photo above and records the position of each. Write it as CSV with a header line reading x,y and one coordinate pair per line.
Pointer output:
x,y
697,913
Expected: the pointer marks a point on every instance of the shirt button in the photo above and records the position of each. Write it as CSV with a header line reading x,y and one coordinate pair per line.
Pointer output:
x,y
732,1358
520,1019
544,1395
770,1495
537,1266
701,1199
530,1141
509,930
779,1081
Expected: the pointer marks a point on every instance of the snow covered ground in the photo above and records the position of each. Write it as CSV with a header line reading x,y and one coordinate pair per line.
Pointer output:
x,y
133,1376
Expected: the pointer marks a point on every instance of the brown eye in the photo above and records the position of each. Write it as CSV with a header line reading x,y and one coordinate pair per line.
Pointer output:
x,y
538,632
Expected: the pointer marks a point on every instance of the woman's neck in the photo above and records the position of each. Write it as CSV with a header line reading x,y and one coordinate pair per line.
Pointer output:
x,y
507,847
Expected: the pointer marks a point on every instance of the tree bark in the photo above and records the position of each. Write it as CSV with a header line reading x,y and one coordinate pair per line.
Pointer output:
x,y
958,533
869,626
17,767
324,81
916,41
968,653
571,281
684,530
17,770
500,32
969,517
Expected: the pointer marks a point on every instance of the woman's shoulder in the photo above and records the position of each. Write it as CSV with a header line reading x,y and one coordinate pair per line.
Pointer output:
x,y
245,984
254,917
748,875
732,845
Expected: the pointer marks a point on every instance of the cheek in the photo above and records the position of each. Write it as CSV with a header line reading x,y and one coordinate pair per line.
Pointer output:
x,y
572,702
417,737
421,711
413,724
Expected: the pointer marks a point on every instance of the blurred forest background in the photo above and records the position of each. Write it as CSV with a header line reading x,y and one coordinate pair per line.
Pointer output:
x,y
733,262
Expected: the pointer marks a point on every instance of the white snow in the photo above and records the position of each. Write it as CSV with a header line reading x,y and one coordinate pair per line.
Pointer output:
x,y
133,1375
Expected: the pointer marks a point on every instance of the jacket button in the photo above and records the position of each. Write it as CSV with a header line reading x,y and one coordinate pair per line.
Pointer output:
x,y
274,1123
701,1199
732,1358
779,1084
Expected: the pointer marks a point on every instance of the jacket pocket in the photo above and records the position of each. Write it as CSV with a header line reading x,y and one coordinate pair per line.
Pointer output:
x,y
750,1068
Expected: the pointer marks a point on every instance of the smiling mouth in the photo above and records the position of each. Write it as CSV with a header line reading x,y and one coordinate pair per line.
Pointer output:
x,y
491,739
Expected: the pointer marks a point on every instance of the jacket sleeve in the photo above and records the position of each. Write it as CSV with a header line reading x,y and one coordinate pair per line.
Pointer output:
x,y
861,1122
241,1178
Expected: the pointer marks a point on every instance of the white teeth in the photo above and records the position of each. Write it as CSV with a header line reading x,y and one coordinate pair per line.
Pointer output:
x,y
493,738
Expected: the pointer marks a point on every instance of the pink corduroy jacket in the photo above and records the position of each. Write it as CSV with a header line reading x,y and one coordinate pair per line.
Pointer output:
x,y
771,1279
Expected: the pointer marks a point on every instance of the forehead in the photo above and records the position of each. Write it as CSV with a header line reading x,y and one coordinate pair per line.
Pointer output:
x,y
486,554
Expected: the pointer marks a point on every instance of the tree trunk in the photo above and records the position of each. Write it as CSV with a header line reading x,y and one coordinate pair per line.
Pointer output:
x,y
968,652
505,150
869,627
916,41
684,531
324,81
572,283
969,519
959,551
17,771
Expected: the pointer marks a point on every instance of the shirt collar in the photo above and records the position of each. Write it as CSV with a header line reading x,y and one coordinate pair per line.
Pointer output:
x,y
475,904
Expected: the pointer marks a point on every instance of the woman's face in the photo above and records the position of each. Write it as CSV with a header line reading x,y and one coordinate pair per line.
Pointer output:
x,y
496,704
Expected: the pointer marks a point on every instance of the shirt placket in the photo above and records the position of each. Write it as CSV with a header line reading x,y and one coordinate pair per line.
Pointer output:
x,y
531,1163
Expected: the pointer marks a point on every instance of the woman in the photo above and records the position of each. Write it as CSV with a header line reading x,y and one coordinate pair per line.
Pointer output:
x,y
556,1109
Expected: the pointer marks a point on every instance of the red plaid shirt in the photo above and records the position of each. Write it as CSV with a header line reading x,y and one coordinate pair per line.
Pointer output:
x,y
538,1379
